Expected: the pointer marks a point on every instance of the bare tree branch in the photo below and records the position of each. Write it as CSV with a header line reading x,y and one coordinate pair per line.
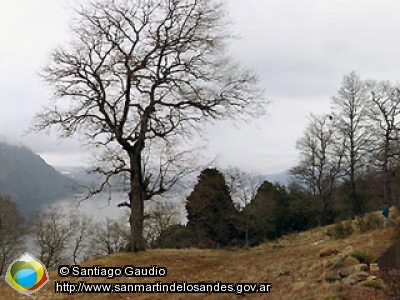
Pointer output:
x,y
138,72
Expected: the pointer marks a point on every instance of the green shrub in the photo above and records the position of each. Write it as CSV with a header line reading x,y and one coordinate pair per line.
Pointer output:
x,y
340,230
363,256
375,284
175,236
368,223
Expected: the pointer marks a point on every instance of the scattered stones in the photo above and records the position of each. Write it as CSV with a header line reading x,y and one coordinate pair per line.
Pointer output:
x,y
334,262
349,281
347,269
348,262
332,276
374,268
359,276
361,267
328,252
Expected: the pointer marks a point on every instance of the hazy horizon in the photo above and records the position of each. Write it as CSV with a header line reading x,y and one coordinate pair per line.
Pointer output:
x,y
299,50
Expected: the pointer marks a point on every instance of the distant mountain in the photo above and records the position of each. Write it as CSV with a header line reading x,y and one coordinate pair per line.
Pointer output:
x,y
80,175
281,178
29,180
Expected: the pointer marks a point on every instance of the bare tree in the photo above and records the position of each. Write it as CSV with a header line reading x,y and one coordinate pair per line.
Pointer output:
x,y
52,236
144,71
82,226
12,232
320,163
61,235
384,112
350,111
243,187
161,214
109,237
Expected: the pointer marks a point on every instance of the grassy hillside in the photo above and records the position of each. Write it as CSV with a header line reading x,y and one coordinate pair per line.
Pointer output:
x,y
292,265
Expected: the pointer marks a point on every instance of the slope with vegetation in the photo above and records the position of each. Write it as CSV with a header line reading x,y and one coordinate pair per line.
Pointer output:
x,y
295,265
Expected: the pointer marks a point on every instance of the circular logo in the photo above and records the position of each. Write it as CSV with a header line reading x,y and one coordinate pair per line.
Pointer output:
x,y
27,274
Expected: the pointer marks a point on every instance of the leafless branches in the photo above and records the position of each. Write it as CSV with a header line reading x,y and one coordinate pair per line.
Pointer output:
x,y
154,63
12,231
321,158
160,215
361,134
384,115
61,235
109,237
140,73
243,185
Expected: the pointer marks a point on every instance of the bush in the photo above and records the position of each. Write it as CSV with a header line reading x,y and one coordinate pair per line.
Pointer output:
x,y
368,223
340,230
363,256
375,284
175,236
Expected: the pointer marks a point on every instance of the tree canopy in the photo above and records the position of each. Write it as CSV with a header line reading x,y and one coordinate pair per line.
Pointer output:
x,y
138,76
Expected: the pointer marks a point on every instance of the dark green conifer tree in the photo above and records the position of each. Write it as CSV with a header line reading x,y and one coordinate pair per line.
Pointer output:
x,y
212,216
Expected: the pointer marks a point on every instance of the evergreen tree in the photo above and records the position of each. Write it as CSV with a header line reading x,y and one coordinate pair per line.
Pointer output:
x,y
261,214
275,211
212,215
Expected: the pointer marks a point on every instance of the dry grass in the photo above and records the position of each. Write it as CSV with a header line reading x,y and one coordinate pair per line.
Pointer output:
x,y
291,264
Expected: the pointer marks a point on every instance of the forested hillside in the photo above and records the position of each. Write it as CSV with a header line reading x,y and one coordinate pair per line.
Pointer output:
x,y
29,180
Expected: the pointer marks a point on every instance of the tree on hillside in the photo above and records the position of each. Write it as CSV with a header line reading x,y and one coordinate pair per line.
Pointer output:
x,y
350,111
304,211
62,236
211,214
109,237
176,236
277,210
12,231
260,213
320,166
142,74
384,113
159,217
243,187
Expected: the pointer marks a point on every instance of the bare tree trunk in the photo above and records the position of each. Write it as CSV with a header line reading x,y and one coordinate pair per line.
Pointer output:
x,y
324,211
247,230
387,188
144,75
353,195
353,189
137,201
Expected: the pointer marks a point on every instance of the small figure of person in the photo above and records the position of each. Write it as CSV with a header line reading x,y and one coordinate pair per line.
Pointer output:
x,y
385,213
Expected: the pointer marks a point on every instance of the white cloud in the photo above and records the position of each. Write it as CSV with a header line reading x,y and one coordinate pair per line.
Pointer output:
x,y
300,49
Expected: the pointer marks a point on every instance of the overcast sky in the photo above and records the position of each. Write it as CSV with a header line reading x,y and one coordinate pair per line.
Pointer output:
x,y
300,49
